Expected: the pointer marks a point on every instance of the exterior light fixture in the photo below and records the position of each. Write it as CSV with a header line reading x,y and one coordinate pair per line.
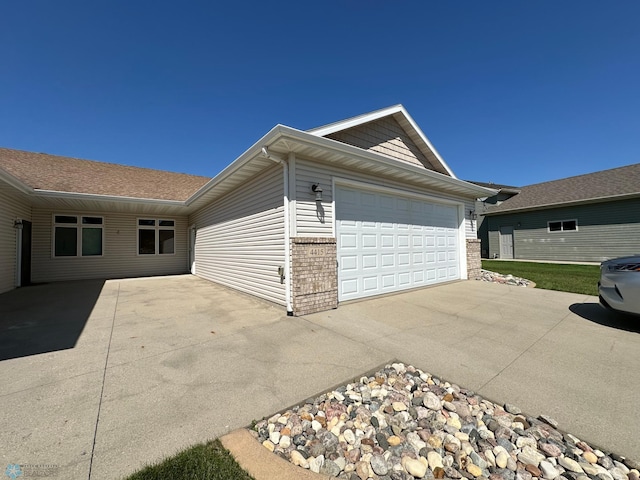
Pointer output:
x,y
315,188
473,214
17,223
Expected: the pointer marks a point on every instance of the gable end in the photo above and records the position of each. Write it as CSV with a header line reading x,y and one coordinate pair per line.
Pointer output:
x,y
387,137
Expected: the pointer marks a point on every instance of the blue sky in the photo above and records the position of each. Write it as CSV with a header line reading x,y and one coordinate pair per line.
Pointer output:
x,y
508,92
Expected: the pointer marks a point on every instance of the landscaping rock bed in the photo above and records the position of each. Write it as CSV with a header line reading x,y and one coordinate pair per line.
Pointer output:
x,y
402,423
488,276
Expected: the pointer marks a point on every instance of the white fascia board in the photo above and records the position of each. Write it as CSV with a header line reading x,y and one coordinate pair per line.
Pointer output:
x,y
108,198
293,134
472,189
15,183
355,121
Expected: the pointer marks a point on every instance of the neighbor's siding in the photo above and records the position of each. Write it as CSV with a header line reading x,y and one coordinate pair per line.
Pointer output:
x,y
605,230
120,257
384,136
240,238
13,205
311,221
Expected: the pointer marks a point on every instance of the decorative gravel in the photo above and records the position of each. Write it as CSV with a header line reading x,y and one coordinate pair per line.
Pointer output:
x,y
489,276
402,423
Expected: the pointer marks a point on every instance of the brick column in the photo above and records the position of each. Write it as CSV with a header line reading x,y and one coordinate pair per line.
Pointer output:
x,y
474,262
314,274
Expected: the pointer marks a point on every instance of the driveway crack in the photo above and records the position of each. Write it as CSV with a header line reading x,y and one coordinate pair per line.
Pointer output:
x,y
104,376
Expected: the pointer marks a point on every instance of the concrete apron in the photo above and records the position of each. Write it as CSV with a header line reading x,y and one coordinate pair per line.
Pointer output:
x,y
161,364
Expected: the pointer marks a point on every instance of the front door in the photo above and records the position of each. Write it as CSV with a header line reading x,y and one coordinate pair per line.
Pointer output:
x,y
506,242
25,256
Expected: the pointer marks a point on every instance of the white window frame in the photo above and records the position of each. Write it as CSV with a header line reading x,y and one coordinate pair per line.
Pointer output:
x,y
562,222
79,226
156,227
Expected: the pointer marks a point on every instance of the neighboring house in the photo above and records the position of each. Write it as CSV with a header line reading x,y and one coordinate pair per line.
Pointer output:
x,y
304,219
587,218
504,193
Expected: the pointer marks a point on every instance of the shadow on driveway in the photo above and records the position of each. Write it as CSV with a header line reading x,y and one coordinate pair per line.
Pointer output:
x,y
594,312
45,318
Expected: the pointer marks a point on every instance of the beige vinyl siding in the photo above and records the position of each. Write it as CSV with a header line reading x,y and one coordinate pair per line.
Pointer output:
x,y
13,205
384,136
120,257
470,225
310,221
240,238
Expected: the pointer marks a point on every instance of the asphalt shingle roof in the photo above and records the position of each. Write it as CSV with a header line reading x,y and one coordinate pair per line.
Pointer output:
x,y
64,174
582,188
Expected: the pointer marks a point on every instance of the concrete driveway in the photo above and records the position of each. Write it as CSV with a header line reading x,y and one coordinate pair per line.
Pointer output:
x,y
99,378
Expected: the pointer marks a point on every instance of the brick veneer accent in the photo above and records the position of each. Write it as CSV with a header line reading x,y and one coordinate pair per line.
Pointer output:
x,y
474,262
314,274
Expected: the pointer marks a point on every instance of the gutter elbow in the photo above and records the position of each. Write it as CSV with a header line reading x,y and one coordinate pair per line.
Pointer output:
x,y
271,156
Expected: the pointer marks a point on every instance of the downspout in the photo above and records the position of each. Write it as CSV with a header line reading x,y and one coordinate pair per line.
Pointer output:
x,y
287,228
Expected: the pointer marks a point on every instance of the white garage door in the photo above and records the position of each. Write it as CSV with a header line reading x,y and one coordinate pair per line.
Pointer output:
x,y
388,243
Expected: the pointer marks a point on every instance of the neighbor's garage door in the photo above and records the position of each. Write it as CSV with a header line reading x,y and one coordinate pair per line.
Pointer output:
x,y
388,243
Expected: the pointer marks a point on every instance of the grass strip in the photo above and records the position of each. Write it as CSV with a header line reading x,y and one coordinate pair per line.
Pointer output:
x,y
210,461
581,279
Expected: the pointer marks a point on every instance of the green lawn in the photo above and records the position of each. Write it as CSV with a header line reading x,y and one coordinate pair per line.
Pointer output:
x,y
210,461
564,277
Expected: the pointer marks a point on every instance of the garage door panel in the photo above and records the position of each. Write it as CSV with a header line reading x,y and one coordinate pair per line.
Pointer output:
x,y
349,286
389,280
349,262
388,260
369,241
388,243
370,261
370,283
348,240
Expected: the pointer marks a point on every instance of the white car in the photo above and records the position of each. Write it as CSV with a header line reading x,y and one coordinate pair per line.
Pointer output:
x,y
619,285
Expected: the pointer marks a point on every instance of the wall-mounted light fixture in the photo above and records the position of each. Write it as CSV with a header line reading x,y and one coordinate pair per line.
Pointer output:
x,y
473,215
17,223
315,188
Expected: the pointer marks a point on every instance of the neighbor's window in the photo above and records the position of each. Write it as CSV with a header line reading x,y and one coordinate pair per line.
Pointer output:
x,y
156,236
562,225
77,235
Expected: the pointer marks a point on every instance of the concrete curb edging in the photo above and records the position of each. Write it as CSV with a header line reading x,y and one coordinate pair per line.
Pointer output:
x,y
260,462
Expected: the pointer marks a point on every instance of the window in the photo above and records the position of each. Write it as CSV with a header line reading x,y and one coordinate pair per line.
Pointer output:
x,y
562,225
77,235
156,236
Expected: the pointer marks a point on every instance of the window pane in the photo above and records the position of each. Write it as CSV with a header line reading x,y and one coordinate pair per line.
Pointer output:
x,y
92,220
166,241
569,225
91,241
555,226
146,242
166,223
66,242
66,219
145,222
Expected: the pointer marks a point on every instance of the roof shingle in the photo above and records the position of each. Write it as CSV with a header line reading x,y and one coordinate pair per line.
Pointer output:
x,y
582,188
42,171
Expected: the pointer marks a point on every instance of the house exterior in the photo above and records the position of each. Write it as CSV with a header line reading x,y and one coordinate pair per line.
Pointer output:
x,y
504,192
304,219
586,218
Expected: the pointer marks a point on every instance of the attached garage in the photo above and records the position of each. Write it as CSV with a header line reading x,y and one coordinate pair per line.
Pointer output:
x,y
388,242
